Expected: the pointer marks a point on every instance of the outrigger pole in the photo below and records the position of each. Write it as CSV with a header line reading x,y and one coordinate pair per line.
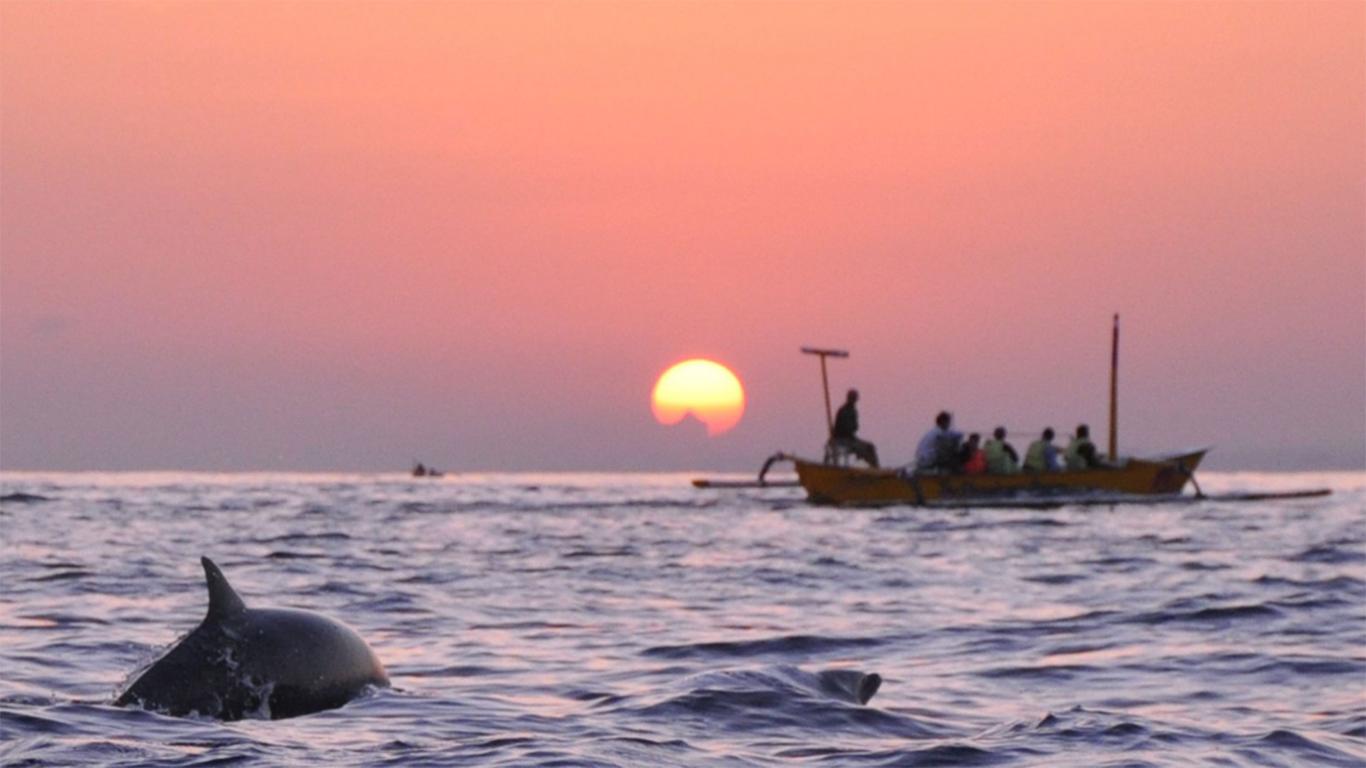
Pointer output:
x,y
825,379
1114,389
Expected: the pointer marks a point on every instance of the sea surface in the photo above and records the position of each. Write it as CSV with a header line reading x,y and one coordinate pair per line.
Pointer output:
x,y
631,620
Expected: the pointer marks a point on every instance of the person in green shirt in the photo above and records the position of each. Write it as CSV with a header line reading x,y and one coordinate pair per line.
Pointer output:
x,y
1001,456
1042,455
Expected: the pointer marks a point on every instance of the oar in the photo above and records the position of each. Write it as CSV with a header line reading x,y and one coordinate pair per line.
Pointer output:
x,y
825,380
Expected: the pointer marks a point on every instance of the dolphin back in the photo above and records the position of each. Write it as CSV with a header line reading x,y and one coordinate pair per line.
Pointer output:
x,y
307,661
241,662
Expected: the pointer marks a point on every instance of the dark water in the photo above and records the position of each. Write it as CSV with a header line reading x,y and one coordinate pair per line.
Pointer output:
x,y
630,620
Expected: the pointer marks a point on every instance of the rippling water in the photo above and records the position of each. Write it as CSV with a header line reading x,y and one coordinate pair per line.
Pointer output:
x,y
631,620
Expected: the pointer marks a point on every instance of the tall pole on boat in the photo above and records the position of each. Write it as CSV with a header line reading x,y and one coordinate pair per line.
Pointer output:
x,y
1114,389
825,386
825,380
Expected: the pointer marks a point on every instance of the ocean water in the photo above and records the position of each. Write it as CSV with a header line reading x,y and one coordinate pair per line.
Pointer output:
x,y
631,620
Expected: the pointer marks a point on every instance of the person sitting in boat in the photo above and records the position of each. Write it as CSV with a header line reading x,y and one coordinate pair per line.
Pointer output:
x,y
939,448
1000,455
1042,455
844,433
1081,452
972,459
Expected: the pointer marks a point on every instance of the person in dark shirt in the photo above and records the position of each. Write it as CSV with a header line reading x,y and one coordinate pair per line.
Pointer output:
x,y
845,432
1081,453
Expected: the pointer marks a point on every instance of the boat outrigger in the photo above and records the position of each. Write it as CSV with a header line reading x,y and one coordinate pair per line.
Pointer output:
x,y
834,480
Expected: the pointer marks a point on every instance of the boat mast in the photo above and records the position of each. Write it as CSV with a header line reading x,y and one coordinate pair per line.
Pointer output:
x,y
1114,388
825,380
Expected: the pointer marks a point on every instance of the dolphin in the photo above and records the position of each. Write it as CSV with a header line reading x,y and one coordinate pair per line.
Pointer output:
x,y
848,684
243,662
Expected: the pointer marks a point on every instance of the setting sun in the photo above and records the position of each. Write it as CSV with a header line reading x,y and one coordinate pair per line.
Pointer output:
x,y
707,390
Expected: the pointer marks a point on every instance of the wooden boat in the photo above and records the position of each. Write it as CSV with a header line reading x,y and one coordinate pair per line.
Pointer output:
x,y
860,486
834,481
1159,479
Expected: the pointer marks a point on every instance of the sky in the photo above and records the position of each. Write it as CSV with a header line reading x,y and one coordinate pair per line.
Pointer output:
x,y
347,236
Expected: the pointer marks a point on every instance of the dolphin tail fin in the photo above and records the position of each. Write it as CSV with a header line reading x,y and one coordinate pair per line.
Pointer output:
x,y
223,600
868,686
849,684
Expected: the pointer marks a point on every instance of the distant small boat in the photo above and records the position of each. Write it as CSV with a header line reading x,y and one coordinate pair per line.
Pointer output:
x,y
422,470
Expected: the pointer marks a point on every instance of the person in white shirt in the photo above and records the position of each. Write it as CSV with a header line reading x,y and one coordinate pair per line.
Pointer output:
x,y
939,448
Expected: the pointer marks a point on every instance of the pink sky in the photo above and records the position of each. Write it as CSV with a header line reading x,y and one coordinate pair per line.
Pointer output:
x,y
345,236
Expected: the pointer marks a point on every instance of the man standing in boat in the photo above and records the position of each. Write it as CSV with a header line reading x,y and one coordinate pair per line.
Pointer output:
x,y
845,431
939,448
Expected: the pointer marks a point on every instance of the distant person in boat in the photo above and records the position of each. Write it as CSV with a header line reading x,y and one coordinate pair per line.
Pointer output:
x,y
939,448
974,461
1042,455
845,431
1000,455
1081,452
422,470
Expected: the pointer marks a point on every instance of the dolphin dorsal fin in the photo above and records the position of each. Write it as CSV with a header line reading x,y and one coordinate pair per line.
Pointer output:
x,y
223,601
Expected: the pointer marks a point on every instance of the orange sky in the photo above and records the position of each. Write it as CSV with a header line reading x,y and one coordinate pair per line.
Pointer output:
x,y
307,235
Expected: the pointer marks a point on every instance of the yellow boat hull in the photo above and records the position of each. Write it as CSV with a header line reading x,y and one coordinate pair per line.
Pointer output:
x,y
858,486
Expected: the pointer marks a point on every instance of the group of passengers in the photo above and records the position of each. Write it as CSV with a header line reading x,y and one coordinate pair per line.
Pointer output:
x,y
944,450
